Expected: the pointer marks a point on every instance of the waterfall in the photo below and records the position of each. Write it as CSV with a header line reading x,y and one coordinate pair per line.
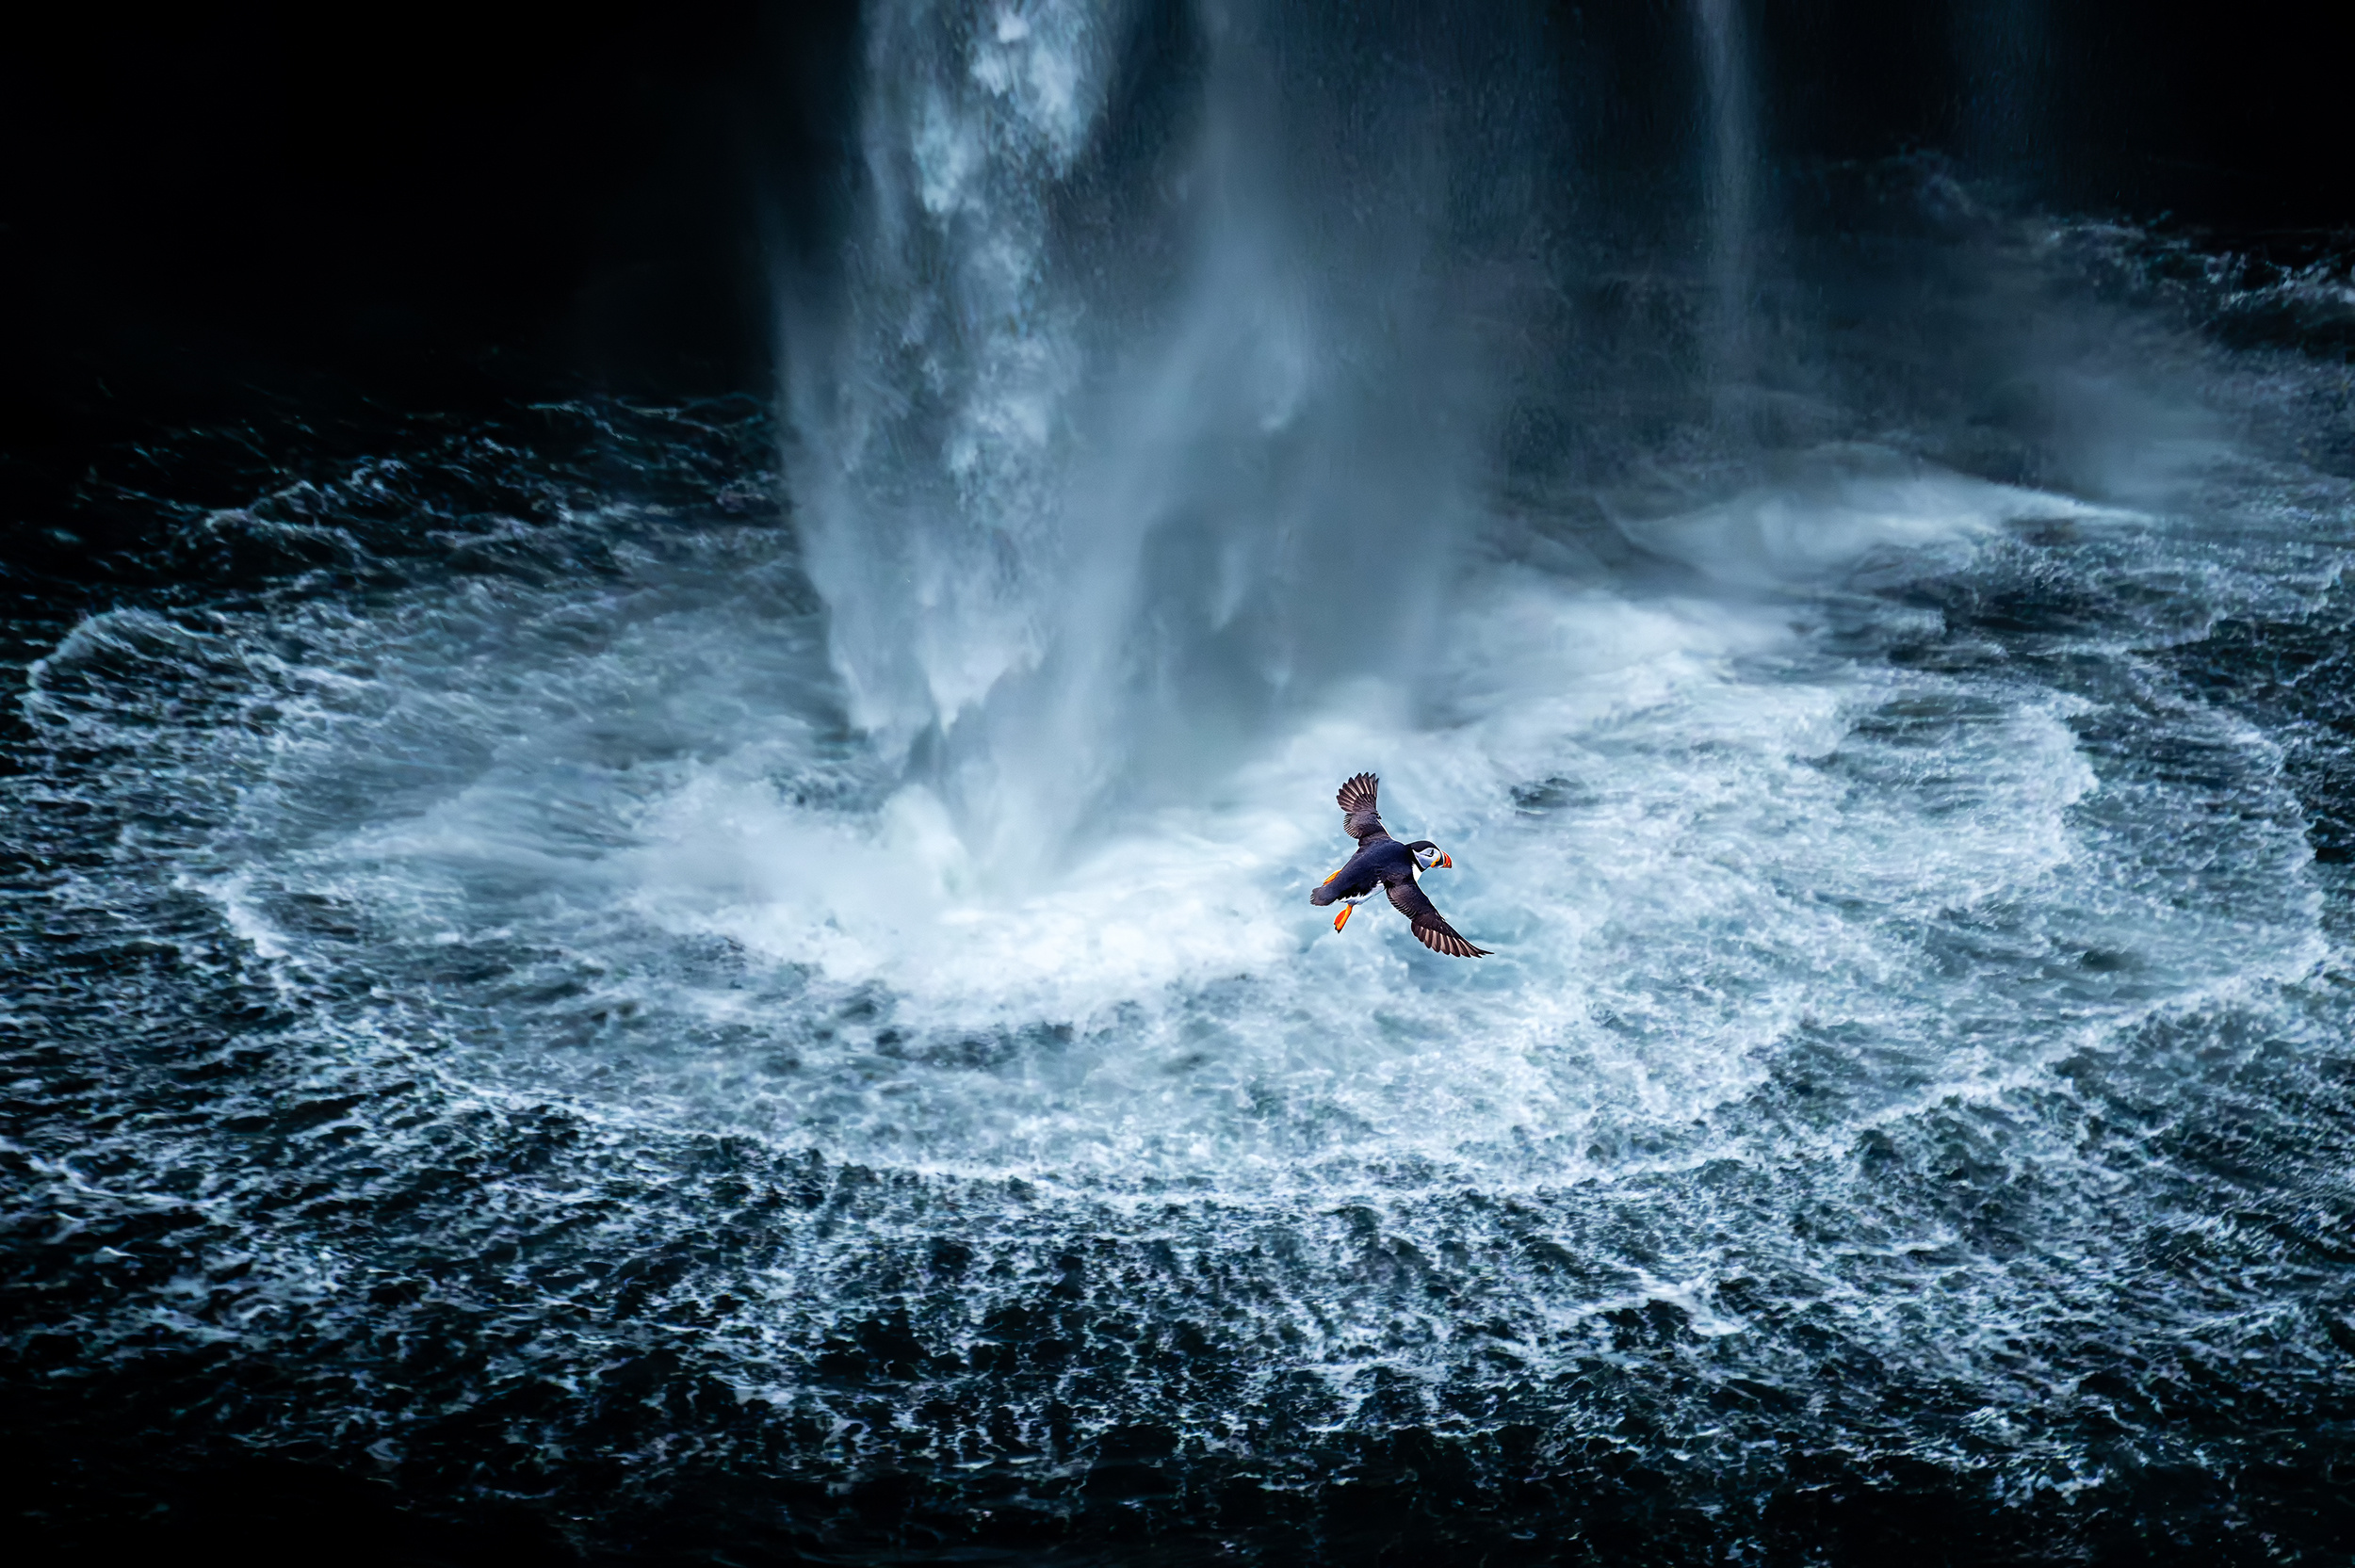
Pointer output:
x,y
1999,52
939,424
1091,502
1729,203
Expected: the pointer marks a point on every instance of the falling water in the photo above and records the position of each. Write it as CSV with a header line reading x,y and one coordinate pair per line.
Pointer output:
x,y
1999,49
1091,511
1734,173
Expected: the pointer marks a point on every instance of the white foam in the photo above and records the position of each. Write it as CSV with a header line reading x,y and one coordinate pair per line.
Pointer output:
x,y
897,900
1836,509
1713,882
1697,840
232,896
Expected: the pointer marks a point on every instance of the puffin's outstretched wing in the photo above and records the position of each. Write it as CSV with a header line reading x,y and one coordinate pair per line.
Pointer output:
x,y
1358,817
1432,932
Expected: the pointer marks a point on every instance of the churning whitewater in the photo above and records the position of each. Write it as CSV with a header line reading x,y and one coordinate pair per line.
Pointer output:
x,y
733,972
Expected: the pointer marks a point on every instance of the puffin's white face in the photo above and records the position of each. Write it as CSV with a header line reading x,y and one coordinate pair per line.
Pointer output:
x,y
1426,859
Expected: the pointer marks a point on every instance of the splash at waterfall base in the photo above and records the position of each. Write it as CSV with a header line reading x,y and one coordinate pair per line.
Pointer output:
x,y
1914,1102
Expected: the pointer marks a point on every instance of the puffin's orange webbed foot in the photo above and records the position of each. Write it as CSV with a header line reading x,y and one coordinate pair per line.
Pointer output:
x,y
1337,873
1342,919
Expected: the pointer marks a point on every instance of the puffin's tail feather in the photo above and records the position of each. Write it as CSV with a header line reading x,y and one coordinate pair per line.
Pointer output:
x,y
1358,794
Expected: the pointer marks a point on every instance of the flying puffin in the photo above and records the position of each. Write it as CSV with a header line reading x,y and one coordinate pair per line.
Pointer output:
x,y
1383,862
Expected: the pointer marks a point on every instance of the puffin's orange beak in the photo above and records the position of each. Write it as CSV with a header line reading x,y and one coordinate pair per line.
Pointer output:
x,y
1347,910
1443,860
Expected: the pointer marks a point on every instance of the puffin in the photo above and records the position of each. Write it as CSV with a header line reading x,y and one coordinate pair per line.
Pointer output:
x,y
1383,862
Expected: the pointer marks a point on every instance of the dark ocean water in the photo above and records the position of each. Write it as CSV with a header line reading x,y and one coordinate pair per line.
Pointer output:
x,y
730,980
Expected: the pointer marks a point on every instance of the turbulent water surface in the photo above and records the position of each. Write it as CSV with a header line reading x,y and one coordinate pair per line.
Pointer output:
x,y
746,983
